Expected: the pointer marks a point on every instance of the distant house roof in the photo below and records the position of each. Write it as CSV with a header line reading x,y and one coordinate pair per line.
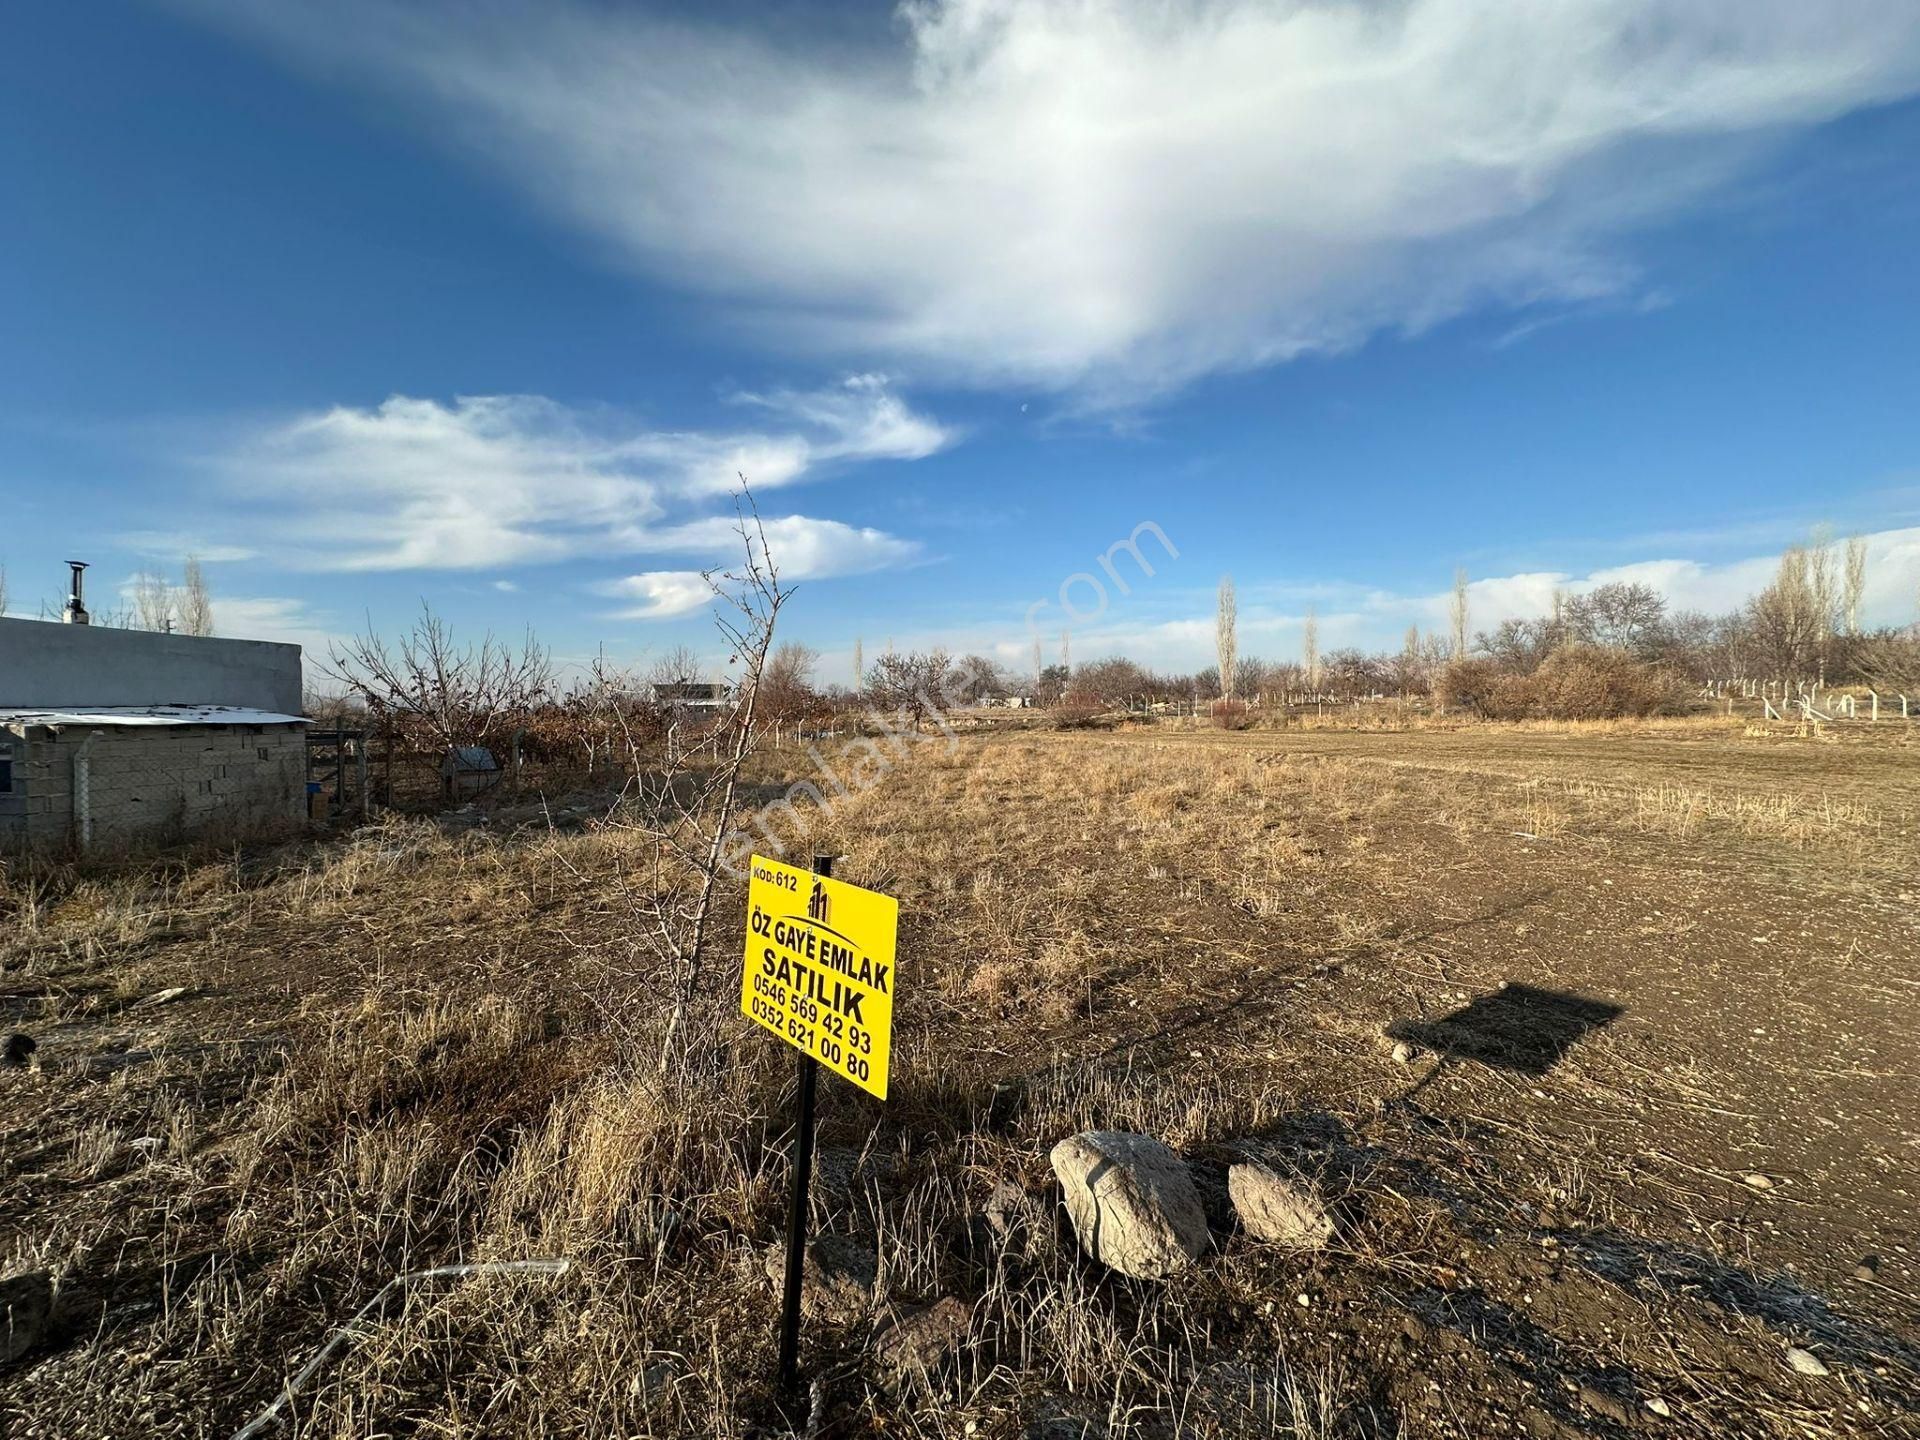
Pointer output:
x,y
149,715
685,691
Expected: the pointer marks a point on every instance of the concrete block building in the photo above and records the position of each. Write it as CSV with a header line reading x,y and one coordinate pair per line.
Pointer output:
x,y
116,737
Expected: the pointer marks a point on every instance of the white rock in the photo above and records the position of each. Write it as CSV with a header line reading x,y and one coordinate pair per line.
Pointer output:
x,y
1131,1201
1283,1211
1805,1361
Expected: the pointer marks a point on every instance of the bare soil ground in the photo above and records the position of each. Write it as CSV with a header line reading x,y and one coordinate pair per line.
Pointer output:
x,y
1658,1121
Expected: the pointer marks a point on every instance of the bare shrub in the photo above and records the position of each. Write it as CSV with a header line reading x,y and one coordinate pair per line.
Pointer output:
x,y
1597,684
1467,686
1578,683
1230,714
1080,708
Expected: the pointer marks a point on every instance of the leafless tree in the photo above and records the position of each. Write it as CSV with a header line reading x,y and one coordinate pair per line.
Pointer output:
x,y
152,601
1823,588
1615,616
1856,581
978,676
1408,670
675,667
787,688
859,662
1459,614
1249,677
1889,660
1225,642
457,695
1310,651
1111,682
193,602
684,789
911,685
1791,620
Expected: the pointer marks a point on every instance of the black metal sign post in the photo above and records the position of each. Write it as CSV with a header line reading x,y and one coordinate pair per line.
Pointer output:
x,y
797,1206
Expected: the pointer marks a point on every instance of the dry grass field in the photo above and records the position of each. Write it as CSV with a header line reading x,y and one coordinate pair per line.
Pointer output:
x,y
1656,1120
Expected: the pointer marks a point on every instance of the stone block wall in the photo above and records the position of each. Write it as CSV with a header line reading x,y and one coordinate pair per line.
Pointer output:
x,y
153,783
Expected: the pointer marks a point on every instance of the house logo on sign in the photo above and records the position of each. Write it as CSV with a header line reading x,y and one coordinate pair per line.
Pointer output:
x,y
817,904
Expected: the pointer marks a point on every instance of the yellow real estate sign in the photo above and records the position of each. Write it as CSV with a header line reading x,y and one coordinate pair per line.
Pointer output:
x,y
819,971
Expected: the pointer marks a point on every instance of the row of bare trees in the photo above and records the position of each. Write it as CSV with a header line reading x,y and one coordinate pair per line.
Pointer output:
x,y
1806,624
152,602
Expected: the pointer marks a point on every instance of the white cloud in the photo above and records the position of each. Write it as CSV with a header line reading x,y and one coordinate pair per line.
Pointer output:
x,y
515,479
659,594
272,617
803,547
1115,197
179,545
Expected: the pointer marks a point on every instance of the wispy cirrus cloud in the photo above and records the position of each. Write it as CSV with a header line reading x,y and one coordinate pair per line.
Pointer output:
x,y
180,545
1113,198
508,480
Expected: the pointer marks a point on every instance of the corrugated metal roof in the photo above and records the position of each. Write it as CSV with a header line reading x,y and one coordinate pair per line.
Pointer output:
x,y
148,715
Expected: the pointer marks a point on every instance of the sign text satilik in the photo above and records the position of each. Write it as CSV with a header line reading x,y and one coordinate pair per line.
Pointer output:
x,y
820,968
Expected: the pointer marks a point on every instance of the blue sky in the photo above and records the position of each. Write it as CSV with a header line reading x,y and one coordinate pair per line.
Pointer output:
x,y
484,305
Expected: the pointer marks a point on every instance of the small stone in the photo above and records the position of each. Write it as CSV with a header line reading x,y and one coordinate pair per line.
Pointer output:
x,y
1132,1203
17,1050
1659,1407
26,1313
1806,1362
1276,1209
1403,1053
913,1342
1868,1268
1759,1181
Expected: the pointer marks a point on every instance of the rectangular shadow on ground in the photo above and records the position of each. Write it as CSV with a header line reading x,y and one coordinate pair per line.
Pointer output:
x,y
1518,1027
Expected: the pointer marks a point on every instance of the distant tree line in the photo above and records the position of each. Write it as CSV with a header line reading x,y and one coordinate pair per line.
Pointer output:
x,y
1617,649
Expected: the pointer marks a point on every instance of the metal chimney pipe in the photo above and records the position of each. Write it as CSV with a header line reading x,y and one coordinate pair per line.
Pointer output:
x,y
75,612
